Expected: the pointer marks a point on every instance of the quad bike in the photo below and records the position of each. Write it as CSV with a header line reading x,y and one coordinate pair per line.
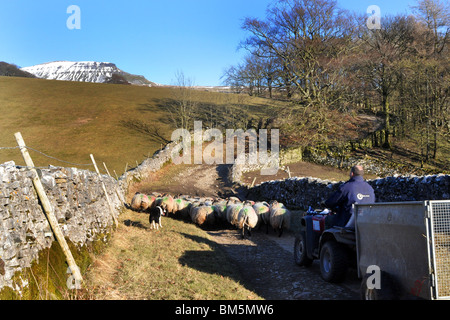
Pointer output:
x,y
318,239
407,242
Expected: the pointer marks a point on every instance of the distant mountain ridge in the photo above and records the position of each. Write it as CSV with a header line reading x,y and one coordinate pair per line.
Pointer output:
x,y
84,71
11,70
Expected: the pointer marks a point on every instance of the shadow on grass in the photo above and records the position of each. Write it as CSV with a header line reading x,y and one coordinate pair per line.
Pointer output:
x,y
152,130
221,115
135,224
219,261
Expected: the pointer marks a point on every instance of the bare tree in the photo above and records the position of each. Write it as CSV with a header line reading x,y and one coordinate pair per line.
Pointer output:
x,y
383,50
435,14
427,82
250,76
184,104
307,37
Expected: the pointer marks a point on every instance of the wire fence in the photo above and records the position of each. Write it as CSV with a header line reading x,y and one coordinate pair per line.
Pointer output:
x,y
45,155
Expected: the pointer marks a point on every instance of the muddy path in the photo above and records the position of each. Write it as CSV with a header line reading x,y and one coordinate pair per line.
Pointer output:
x,y
266,261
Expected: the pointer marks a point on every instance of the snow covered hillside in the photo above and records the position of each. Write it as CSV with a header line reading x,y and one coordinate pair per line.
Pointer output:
x,y
83,71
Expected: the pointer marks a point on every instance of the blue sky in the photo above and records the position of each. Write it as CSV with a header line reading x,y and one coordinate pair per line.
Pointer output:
x,y
153,38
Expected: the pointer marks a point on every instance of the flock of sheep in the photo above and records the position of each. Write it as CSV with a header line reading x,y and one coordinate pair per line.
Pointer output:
x,y
244,215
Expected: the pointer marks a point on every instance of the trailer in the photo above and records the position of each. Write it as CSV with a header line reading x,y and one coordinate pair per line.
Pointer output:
x,y
408,244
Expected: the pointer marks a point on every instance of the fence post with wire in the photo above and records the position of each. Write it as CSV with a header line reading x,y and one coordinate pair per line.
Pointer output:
x,y
69,204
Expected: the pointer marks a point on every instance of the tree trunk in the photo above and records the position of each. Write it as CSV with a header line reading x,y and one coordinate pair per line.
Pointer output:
x,y
387,119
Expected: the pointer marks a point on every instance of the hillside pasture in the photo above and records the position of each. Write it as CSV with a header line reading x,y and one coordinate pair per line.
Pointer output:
x,y
119,124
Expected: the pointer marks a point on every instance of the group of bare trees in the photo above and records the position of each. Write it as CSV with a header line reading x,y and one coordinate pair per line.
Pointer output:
x,y
325,58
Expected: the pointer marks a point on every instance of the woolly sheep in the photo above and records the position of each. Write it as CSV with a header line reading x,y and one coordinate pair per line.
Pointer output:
x,y
211,217
233,212
167,204
262,209
136,202
234,199
247,219
181,207
192,206
280,217
220,209
151,199
140,202
208,201
201,215
145,203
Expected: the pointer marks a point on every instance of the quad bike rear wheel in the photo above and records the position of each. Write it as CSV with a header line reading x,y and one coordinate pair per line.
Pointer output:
x,y
333,262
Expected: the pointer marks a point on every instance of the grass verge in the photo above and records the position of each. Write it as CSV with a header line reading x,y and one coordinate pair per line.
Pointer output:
x,y
179,262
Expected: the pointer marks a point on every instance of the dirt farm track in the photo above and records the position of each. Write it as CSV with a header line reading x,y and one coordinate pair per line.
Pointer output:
x,y
267,264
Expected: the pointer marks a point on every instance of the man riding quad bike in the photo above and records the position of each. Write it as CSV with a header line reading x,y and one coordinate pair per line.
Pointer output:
x,y
329,235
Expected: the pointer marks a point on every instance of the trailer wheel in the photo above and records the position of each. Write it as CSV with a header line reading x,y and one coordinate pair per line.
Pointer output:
x,y
386,291
300,254
333,262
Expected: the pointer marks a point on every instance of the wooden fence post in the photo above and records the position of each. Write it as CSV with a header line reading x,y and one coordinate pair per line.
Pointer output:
x,y
111,209
106,168
48,210
253,183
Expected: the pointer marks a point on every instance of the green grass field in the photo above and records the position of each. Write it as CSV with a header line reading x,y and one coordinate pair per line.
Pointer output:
x,y
71,120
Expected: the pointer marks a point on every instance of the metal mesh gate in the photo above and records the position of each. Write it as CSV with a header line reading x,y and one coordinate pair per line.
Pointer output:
x,y
440,217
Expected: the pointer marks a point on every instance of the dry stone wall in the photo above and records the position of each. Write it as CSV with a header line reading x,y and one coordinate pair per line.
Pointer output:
x,y
150,165
79,204
304,192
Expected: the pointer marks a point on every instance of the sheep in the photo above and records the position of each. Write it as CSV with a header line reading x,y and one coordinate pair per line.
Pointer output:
x,y
151,200
233,212
167,204
201,214
211,216
208,201
157,202
181,207
145,203
136,202
234,199
280,217
220,209
262,209
247,219
140,202
192,206
178,204
155,217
